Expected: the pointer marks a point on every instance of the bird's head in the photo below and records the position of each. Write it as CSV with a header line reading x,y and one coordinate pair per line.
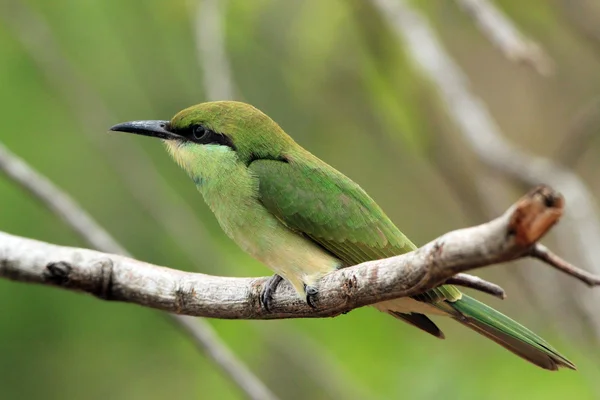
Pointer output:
x,y
215,135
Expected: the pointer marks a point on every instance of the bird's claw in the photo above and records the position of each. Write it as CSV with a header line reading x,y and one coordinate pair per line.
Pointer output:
x,y
311,294
266,296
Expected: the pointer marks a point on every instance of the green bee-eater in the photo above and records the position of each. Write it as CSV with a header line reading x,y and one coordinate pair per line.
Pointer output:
x,y
304,219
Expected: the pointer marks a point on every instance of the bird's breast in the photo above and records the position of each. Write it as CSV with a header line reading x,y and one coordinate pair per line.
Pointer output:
x,y
235,202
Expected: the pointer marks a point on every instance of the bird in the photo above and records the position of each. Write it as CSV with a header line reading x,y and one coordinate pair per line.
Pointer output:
x,y
303,219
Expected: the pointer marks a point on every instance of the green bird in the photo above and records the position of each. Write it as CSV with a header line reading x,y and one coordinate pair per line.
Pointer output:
x,y
303,219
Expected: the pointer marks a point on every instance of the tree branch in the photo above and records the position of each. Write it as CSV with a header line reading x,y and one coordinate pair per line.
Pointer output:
x,y
57,202
119,278
62,205
155,194
544,254
475,282
483,135
501,31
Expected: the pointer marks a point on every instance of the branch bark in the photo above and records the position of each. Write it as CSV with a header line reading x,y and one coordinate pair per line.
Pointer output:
x,y
475,282
155,193
511,236
66,208
482,134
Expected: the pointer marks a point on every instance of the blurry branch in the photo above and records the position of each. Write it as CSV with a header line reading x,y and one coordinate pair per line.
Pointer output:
x,y
509,237
502,32
154,193
73,215
584,126
207,340
582,233
58,202
210,43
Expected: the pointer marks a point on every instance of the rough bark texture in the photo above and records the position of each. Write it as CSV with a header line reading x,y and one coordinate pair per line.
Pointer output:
x,y
111,277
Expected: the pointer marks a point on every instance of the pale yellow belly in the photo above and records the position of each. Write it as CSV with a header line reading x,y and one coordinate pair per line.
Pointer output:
x,y
290,255
300,261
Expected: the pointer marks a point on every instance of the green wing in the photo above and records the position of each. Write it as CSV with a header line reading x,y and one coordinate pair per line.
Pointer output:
x,y
321,203
318,201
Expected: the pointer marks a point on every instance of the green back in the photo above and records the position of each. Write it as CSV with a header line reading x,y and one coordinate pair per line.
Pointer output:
x,y
316,200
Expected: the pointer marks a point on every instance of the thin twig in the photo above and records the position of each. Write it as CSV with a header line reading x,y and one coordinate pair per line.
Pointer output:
x,y
119,278
582,233
544,254
62,205
477,283
503,33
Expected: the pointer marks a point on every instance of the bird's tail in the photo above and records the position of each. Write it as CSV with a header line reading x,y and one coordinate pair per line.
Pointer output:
x,y
507,333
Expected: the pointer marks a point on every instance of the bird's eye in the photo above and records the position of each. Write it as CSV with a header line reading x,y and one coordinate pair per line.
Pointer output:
x,y
200,132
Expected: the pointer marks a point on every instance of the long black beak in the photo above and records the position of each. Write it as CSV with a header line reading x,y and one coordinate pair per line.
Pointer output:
x,y
158,129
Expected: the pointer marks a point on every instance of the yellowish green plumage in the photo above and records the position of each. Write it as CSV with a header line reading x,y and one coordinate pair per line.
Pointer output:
x,y
303,219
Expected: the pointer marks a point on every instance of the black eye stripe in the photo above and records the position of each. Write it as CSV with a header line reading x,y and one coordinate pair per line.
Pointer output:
x,y
202,135
223,140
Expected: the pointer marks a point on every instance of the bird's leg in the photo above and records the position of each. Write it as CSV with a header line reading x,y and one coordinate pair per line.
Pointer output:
x,y
269,288
311,294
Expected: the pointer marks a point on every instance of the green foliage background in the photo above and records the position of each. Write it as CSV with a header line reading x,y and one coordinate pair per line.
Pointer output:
x,y
331,73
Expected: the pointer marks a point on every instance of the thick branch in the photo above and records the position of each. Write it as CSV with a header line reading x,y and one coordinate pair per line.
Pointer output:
x,y
62,205
112,277
154,193
483,135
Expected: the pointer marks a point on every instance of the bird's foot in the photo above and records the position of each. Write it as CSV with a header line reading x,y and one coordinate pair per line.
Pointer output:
x,y
266,296
311,294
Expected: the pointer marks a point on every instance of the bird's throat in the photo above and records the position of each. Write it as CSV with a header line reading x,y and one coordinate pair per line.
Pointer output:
x,y
205,164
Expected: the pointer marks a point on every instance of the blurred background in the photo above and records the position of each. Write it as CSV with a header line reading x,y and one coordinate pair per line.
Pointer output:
x,y
358,84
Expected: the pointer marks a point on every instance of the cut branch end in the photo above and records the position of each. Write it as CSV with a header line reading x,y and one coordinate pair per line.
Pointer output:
x,y
534,214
